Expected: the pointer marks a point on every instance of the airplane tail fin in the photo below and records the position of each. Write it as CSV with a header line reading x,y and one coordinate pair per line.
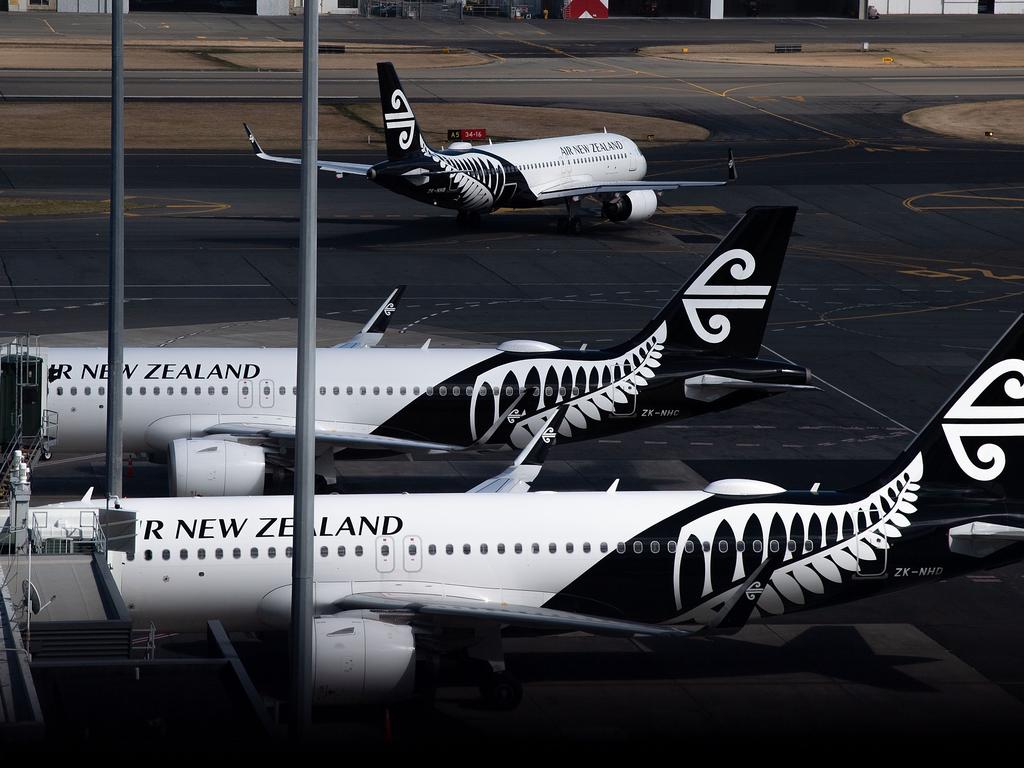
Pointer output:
x,y
973,448
401,131
723,309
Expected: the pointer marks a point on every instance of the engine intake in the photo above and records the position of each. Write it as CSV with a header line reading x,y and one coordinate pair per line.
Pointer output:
x,y
208,467
638,205
362,660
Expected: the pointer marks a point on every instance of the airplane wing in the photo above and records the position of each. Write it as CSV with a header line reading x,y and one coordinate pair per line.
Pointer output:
x,y
373,331
463,609
339,437
528,464
579,187
323,165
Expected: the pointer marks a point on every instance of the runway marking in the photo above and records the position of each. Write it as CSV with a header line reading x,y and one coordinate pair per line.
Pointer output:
x,y
51,28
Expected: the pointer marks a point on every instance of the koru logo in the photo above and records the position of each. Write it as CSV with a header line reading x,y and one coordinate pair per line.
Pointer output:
x,y
514,416
389,309
549,436
701,296
967,419
754,591
401,120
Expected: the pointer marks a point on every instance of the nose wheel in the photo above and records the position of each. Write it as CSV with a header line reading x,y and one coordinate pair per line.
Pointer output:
x,y
571,224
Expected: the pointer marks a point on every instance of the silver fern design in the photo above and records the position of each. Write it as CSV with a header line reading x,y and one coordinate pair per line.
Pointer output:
x,y
594,389
479,179
967,419
701,297
832,542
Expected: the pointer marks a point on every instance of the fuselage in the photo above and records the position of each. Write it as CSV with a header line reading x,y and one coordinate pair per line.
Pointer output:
x,y
655,557
454,396
512,174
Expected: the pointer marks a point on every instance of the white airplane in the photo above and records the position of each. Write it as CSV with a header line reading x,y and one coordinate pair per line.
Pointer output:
x,y
517,174
399,577
225,418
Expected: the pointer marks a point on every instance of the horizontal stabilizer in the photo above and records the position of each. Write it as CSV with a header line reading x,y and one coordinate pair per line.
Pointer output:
x,y
980,539
709,387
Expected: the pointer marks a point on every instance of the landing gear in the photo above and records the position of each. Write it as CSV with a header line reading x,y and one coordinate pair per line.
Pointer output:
x,y
571,224
468,219
501,691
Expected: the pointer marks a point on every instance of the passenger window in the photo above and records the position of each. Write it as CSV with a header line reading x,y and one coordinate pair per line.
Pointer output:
x,y
756,546
287,551
337,390
236,553
184,391
638,547
60,390
442,391
688,547
535,548
808,545
552,548
604,547
348,390
483,549
385,550
432,549
791,545
324,551
412,549
142,390
166,554
741,546
218,553
148,555
224,390
359,551
655,547
88,390
547,391
341,551
401,390
518,548
201,554
271,552
706,546
509,392
74,390
102,390
671,547
568,548
295,391
416,390
773,545
376,390
586,547
621,547
362,390
254,553
469,391
501,549
323,390
723,547
455,391
280,391
466,549
199,391
212,390
449,549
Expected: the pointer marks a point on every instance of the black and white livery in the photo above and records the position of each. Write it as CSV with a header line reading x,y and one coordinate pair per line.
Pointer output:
x,y
519,174
225,418
406,576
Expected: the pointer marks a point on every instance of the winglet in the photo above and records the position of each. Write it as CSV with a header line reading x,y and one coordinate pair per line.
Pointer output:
x,y
253,141
88,495
732,175
527,466
373,331
537,449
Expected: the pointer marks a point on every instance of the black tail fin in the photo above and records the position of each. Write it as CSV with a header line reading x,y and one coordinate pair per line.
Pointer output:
x,y
401,131
723,309
975,443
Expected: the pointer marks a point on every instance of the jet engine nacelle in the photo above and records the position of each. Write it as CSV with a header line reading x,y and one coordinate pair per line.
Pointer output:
x,y
637,205
362,660
208,467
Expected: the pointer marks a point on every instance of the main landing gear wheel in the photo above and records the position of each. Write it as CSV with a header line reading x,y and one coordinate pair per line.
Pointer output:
x,y
499,690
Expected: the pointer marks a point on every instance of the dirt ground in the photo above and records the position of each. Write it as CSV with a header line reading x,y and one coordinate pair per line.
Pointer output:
x,y
850,55
970,121
195,55
218,125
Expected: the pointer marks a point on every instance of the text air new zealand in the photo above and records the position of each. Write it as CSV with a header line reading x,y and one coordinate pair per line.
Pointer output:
x,y
516,174
229,414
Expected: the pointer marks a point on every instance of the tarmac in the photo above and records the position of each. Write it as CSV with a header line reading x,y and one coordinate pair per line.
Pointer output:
x,y
903,270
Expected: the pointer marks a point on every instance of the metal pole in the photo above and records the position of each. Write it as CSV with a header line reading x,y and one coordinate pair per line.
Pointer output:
x,y
302,535
115,315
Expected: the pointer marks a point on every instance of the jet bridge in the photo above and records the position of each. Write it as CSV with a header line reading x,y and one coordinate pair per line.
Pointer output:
x,y
28,429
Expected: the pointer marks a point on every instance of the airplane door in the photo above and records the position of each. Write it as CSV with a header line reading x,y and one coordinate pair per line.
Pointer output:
x,y
872,556
385,554
632,160
412,551
266,393
625,398
245,393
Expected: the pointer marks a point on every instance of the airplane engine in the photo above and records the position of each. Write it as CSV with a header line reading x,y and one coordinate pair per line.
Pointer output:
x,y
362,660
208,467
637,205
